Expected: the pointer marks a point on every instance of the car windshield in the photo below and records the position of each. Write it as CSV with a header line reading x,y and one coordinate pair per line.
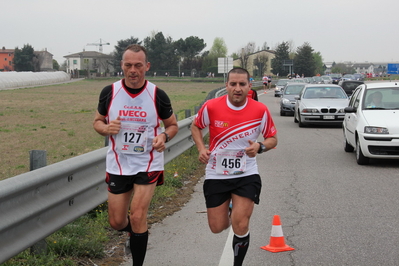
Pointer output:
x,y
293,89
317,78
324,92
381,98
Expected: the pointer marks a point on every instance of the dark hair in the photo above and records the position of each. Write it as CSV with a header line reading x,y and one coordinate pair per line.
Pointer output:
x,y
136,48
238,70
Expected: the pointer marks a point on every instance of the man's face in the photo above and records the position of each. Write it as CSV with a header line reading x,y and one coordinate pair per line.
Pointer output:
x,y
237,88
134,66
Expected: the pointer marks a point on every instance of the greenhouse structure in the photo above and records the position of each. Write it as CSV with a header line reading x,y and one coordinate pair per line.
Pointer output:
x,y
10,80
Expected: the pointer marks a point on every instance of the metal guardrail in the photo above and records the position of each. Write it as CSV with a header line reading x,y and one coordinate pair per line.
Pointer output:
x,y
35,204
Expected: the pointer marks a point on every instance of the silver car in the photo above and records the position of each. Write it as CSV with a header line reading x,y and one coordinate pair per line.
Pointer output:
x,y
287,100
327,79
320,104
280,86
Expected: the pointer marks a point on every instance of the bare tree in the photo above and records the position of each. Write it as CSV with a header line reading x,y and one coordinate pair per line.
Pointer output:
x,y
260,63
245,53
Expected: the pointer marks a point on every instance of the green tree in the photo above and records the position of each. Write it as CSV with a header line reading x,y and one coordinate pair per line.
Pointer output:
x,y
189,49
23,58
282,53
319,66
210,58
119,49
161,52
343,69
304,62
235,56
219,48
56,66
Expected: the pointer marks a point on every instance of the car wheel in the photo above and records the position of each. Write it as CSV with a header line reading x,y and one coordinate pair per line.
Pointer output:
x,y
300,124
360,158
347,146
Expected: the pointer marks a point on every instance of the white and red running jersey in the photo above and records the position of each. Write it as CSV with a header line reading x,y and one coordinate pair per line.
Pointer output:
x,y
230,128
131,151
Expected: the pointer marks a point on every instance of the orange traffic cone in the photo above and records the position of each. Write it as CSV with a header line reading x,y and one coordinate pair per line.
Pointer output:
x,y
277,243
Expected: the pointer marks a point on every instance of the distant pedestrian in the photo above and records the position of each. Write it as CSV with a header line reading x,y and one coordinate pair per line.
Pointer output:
x,y
265,81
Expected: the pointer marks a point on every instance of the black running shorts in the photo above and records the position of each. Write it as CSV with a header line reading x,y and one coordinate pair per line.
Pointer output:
x,y
118,184
217,191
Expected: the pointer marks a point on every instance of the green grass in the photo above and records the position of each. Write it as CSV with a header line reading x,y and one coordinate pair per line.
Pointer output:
x,y
59,118
83,238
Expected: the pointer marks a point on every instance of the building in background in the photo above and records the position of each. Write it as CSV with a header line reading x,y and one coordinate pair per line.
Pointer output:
x,y
6,59
257,64
93,62
43,61
363,68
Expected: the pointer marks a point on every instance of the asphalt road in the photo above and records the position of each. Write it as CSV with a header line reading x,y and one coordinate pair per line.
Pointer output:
x,y
333,211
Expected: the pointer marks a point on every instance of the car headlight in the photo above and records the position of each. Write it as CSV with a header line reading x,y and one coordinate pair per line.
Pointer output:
x,y
376,130
341,110
310,110
285,101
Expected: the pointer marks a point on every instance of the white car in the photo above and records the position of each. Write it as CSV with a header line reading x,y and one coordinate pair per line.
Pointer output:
x,y
327,79
371,124
320,104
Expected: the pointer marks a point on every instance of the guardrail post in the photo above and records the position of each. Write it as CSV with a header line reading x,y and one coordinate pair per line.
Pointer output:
x,y
38,159
188,113
196,109
106,141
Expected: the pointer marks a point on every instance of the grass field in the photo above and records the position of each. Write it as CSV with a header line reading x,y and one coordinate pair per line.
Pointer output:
x,y
58,119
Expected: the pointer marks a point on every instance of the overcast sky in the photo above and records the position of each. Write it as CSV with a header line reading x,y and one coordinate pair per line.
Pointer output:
x,y
341,30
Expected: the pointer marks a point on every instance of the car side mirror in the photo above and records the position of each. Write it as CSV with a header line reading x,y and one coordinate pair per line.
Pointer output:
x,y
297,98
350,109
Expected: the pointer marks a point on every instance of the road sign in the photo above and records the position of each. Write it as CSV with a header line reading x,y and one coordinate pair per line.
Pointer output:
x,y
393,69
288,62
225,64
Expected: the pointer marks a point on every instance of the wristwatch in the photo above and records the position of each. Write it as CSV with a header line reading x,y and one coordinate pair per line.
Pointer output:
x,y
166,135
262,148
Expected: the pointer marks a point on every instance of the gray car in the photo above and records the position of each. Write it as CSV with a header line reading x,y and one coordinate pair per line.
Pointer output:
x,y
287,101
280,86
320,104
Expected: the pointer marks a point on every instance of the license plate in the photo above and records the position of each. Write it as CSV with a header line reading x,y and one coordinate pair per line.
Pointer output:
x,y
328,117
